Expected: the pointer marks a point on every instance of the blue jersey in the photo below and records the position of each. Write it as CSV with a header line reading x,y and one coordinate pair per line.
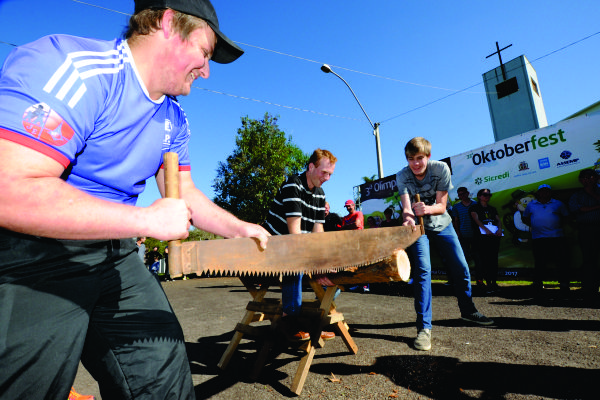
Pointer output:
x,y
82,102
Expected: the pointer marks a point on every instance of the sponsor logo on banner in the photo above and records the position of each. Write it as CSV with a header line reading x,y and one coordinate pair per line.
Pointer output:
x,y
522,169
491,178
566,156
544,163
43,123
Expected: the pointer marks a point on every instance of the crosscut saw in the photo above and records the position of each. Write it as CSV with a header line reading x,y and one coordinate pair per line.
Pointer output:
x,y
314,253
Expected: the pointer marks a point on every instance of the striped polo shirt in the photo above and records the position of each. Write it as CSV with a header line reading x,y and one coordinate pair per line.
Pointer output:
x,y
294,199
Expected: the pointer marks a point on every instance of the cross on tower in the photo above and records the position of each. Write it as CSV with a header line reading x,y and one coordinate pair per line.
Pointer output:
x,y
498,50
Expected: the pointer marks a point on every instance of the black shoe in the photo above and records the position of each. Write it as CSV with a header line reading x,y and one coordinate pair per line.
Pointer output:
x,y
478,318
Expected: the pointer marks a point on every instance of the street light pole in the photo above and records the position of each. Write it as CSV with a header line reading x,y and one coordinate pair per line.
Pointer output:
x,y
327,69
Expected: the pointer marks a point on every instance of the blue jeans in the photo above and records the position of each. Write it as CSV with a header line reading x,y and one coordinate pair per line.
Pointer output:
x,y
448,245
291,294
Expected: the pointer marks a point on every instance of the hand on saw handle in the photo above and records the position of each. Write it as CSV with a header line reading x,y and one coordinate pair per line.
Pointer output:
x,y
419,208
168,219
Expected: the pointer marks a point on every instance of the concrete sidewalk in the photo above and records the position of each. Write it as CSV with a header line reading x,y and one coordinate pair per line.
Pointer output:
x,y
538,348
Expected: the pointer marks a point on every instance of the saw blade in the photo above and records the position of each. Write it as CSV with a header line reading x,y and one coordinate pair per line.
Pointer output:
x,y
313,253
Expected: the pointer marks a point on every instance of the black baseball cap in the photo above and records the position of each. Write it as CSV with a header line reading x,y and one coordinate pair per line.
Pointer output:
x,y
225,50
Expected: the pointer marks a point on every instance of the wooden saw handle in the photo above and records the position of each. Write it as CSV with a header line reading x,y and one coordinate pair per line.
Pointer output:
x,y
171,164
418,199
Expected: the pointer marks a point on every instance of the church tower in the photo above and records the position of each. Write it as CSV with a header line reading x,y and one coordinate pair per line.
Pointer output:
x,y
514,97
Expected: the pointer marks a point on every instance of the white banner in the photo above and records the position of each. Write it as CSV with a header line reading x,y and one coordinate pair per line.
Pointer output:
x,y
542,156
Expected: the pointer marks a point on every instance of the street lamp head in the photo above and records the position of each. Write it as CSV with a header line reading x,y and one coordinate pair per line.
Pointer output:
x,y
326,68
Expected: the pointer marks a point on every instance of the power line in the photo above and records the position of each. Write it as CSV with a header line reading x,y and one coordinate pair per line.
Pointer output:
x,y
300,58
274,104
10,44
454,91
103,8
480,83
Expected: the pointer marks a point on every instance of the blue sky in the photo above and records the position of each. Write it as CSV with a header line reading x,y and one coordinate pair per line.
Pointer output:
x,y
409,63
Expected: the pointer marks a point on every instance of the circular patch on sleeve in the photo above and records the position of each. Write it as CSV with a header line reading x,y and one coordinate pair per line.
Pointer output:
x,y
43,123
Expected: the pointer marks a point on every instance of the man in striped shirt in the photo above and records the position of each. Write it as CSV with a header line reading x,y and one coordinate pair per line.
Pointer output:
x,y
299,207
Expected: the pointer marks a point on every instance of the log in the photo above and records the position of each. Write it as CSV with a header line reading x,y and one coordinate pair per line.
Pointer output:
x,y
394,268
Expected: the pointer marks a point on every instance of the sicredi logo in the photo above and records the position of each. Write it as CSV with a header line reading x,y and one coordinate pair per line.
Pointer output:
x,y
492,178
508,151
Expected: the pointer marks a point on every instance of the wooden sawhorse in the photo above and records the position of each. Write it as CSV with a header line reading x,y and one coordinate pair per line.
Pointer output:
x,y
322,311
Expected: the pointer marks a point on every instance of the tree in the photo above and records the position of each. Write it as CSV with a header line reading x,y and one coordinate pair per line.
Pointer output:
x,y
247,183
367,179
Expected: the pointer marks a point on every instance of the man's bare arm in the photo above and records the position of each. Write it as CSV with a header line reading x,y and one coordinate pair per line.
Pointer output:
x,y
36,201
318,227
441,199
294,225
408,216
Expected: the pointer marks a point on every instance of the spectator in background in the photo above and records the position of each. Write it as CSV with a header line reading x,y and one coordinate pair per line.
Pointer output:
x,y
372,222
585,204
389,218
167,273
355,219
151,255
546,217
463,225
333,222
487,231
155,267
141,248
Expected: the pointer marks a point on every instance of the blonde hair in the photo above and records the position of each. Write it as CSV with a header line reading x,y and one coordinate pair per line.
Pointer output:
x,y
149,20
417,145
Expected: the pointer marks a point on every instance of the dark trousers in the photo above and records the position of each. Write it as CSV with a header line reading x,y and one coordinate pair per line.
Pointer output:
x,y
487,247
589,239
470,251
548,251
64,300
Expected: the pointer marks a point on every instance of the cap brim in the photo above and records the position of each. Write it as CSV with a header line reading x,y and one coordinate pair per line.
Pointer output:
x,y
225,50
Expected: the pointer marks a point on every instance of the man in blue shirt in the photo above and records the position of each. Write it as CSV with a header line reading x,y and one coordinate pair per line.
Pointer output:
x,y
83,124
546,217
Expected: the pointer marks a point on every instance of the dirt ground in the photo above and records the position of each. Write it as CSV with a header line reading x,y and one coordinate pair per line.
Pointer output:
x,y
547,348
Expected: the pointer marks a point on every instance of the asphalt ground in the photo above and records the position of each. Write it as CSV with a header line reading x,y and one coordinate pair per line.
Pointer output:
x,y
544,347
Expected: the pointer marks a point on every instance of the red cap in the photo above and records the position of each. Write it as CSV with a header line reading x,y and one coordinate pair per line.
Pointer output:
x,y
349,203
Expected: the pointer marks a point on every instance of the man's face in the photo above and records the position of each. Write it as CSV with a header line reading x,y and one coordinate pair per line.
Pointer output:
x,y
317,176
326,209
544,195
590,180
418,164
350,208
189,60
463,195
